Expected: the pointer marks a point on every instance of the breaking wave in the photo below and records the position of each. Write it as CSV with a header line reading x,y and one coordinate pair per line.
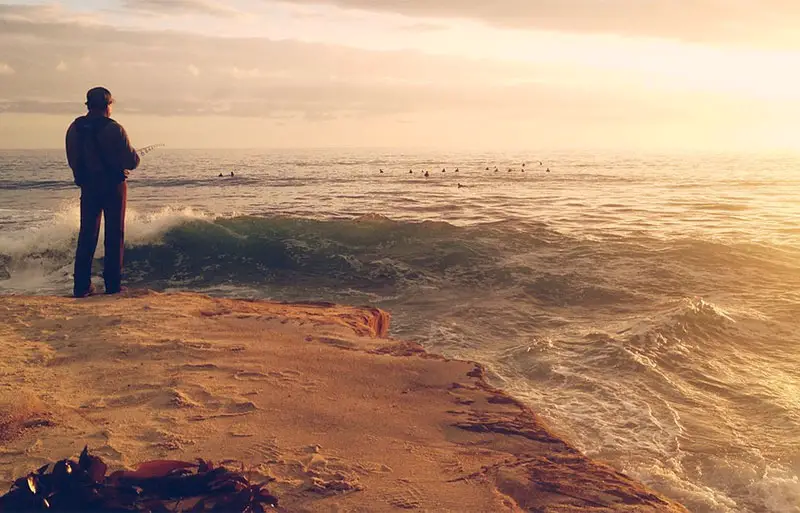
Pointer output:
x,y
638,346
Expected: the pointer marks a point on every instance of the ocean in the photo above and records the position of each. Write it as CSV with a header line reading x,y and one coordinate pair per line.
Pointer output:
x,y
648,306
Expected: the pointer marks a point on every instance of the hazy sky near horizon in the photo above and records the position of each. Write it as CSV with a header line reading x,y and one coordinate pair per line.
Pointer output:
x,y
450,74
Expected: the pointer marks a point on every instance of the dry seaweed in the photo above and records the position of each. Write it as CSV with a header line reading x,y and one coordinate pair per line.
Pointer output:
x,y
161,486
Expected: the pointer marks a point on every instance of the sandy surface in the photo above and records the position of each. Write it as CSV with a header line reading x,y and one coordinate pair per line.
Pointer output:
x,y
313,396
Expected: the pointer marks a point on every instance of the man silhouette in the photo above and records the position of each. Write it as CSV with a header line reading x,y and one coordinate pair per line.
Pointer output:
x,y
100,155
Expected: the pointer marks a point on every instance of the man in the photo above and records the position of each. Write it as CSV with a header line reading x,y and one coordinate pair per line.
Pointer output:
x,y
100,155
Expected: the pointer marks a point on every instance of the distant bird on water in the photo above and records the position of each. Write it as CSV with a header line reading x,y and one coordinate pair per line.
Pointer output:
x,y
426,174
548,170
443,170
540,162
460,186
411,171
456,170
381,171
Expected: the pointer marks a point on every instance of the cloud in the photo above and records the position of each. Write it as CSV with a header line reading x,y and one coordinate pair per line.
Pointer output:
x,y
5,69
272,74
241,74
181,7
241,77
766,21
53,12
36,107
154,74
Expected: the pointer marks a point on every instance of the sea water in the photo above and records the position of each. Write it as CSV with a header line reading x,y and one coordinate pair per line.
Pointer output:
x,y
648,306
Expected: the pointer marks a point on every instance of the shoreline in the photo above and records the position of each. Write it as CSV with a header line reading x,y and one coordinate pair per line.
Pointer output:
x,y
313,395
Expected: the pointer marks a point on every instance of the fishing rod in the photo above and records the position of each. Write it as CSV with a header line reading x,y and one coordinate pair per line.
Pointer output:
x,y
147,149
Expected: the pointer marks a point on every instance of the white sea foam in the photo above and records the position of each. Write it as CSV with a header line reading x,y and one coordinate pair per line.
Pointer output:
x,y
147,228
39,258
678,391
60,232
56,232
778,490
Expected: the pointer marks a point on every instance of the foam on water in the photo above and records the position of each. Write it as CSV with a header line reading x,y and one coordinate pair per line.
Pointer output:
x,y
61,229
654,327
38,256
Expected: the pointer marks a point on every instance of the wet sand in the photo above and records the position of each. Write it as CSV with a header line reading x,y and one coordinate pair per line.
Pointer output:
x,y
314,396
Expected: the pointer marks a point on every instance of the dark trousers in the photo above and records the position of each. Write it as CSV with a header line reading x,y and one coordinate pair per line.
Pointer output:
x,y
97,201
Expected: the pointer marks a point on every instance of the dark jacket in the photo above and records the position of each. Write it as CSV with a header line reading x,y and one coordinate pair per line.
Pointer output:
x,y
99,151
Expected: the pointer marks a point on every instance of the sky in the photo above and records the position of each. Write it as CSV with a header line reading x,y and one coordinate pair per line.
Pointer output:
x,y
629,75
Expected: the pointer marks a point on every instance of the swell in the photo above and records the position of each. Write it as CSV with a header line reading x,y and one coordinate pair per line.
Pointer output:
x,y
528,261
685,382
650,350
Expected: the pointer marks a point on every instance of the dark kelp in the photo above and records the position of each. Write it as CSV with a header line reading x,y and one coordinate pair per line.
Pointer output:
x,y
159,486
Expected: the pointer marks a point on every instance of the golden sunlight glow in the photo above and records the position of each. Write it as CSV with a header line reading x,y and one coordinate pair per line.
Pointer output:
x,y
359,77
